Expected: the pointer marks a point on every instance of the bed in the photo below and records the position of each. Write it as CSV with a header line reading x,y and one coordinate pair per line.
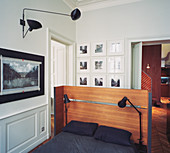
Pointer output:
x,y
82,137
116,129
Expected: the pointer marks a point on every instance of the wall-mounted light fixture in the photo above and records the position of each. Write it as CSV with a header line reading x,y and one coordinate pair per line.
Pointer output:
x,y
75,14
148,66
66,101
122,104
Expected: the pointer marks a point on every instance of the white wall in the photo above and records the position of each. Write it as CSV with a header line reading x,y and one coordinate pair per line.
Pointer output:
x,y
146,18
143,19
35,42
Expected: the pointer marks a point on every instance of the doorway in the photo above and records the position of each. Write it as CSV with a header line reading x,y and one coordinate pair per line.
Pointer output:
x,y
58,72
150,54
151,65
148,57
60,69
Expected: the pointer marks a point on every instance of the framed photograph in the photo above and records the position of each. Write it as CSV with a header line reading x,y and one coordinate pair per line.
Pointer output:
x,y
83,50
83,65
98,49
111,65
98,81
115,64
21,74
98,65
115,47
83,80
115,81
119,64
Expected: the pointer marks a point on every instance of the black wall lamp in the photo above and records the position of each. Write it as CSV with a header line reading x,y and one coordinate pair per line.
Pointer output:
x,y
33,24
122,104
66,100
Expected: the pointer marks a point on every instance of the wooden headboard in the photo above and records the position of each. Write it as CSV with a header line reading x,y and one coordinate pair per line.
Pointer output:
x,y
105,110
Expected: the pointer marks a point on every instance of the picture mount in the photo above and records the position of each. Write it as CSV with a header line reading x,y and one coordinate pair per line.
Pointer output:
x,y
21,75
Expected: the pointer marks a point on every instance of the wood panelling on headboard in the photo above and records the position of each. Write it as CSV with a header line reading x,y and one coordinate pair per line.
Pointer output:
x,y
58,109
125,118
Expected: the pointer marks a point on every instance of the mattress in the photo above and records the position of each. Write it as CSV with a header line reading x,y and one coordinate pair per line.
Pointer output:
x,y
66,142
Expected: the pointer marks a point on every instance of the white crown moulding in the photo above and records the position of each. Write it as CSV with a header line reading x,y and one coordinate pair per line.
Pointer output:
x,y
70,3
89,5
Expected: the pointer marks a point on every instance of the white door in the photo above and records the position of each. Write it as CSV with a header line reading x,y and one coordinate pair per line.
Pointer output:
x,y
70,65
58,68
136,65
58,64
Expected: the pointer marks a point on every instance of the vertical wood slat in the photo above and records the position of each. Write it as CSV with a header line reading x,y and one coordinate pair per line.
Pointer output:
x,y
58,109
124,118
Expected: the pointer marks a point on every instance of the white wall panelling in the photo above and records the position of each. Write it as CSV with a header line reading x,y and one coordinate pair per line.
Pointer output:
x,y
22,132
2,137
1,143
42,122
28,130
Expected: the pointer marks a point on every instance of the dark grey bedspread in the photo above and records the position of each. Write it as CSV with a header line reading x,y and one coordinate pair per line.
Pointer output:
x,y
66,142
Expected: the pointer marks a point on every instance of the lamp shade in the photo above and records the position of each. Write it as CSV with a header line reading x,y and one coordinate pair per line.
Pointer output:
x,y
34,24
75,14
66,100
122,103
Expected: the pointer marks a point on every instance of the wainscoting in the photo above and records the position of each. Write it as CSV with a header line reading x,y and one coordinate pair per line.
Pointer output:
x,y
52,134
24,131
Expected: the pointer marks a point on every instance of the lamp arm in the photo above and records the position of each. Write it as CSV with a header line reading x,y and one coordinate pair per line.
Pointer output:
x,y
66,110
140,122
134,107
22,21
43,11
25,33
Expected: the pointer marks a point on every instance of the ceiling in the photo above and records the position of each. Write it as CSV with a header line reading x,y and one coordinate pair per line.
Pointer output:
x,y
87,5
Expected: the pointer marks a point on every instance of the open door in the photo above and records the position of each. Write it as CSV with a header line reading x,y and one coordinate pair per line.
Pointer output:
x,y
62,71
136,65
58,73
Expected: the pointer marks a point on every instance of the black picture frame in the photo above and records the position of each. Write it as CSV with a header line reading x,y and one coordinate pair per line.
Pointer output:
x,y
26,56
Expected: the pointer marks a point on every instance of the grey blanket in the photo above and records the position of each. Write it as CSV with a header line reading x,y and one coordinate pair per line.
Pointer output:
x,y
66,142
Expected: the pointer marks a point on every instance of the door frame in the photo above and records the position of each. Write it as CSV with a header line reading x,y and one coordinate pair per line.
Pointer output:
x,y
58,37
128,60
129,75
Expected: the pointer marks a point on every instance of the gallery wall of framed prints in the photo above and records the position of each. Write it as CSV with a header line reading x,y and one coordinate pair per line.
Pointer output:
x,y
101,64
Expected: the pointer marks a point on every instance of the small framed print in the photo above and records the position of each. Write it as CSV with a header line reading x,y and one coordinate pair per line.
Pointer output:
x,y
98,81
115,47
83,65
115,81
119,64
98,49
98,65
111,65
83,80
83,50
115,64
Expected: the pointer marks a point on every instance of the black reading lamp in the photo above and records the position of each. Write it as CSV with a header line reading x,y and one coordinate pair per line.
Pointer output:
x,y
66,100
75,14
122,104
